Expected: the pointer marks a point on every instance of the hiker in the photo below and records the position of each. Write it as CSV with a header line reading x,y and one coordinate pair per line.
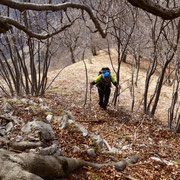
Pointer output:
x,y
103,83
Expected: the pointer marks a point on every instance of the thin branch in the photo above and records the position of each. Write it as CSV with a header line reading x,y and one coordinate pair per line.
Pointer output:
x,y
50,7
29,32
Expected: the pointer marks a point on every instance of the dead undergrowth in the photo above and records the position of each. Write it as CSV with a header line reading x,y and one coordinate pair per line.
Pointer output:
x,y
132,133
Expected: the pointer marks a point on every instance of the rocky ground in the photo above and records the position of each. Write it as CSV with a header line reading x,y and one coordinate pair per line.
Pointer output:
x,y
61,123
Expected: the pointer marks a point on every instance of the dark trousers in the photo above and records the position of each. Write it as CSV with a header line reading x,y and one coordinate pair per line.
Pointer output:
x,y
104,94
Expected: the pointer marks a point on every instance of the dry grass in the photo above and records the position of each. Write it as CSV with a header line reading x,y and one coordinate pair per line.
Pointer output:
x,y
73,77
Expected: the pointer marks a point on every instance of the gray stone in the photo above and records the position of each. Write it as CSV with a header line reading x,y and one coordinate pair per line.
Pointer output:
x,y
7,107
49,150
76,149
133,159
44,129
19,138
9,127
91,152
49,118
82,129
64,124
32,138
2,132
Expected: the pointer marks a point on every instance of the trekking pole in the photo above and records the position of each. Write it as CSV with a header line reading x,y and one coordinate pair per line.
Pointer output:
x,y
90,98
90,94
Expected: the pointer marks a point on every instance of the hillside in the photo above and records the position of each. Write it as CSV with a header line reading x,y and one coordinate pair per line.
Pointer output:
x,y
58,125
131,134
73,78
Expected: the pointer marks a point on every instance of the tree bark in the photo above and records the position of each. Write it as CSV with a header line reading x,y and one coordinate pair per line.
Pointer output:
x,y
29,166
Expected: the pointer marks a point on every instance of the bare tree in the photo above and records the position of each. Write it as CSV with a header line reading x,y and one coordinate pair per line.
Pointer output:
x,y
122,22
26,72
173,111
169,47
7,22
70,39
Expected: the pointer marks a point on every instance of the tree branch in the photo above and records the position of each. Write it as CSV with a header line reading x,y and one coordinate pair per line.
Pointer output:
x,y
9,21
156,9
58,7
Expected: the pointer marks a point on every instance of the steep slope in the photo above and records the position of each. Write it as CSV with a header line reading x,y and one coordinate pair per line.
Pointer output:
x,y
132,134
74,77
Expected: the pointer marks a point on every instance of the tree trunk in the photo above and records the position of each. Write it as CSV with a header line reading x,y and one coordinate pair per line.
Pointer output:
x,y
29,166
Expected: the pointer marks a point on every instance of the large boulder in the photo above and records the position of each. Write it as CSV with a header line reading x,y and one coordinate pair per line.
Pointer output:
x,y
43,129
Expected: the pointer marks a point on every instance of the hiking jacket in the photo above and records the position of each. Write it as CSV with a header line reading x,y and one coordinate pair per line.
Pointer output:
x,y
99,81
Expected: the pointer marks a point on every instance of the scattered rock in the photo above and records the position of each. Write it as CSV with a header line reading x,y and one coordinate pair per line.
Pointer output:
x,y
45,130
76,149
49,118
91,152
162,161
133,159
7,107
9,127
49,150
2,132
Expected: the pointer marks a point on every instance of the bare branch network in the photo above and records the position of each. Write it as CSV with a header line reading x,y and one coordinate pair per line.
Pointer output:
x,y
5,22
149,6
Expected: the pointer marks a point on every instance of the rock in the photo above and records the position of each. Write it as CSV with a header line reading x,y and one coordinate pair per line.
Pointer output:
x,y
69,115
32,150
24,100
60,152
91,152
115,150
19,138
2,132
82,129
32,138
100,143
9,127
44,129
120,166
45,108
7,107
76,149
64,123
49,150
162,161
126,147
49,118
133,159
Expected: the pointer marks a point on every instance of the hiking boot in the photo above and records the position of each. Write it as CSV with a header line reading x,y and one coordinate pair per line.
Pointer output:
x,y
100,104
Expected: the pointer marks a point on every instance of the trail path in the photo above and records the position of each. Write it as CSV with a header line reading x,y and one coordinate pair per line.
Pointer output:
x,y
73,78
130,134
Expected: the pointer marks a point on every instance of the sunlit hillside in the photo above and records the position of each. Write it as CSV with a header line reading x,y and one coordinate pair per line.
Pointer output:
x,y
73,78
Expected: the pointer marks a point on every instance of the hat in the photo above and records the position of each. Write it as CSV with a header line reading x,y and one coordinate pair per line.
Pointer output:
x,y
106,75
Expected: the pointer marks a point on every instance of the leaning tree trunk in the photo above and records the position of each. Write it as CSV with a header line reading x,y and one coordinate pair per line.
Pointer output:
x,y
30,166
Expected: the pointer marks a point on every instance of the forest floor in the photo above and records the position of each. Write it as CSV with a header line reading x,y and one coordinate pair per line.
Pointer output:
x,y
131,133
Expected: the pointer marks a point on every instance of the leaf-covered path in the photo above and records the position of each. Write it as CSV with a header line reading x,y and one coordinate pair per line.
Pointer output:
x,y
129,134
150,149
157,147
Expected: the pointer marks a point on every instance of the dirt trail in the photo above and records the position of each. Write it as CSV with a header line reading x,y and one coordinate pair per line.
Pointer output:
x,y
73,78
130,134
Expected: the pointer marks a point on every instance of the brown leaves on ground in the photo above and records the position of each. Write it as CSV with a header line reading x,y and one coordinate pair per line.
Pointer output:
x,y
132,134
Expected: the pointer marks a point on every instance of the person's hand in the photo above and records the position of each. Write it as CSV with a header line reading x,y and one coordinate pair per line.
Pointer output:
x,y
119,87
91,86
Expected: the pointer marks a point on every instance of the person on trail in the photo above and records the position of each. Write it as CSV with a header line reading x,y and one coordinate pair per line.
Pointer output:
x,y
103,83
